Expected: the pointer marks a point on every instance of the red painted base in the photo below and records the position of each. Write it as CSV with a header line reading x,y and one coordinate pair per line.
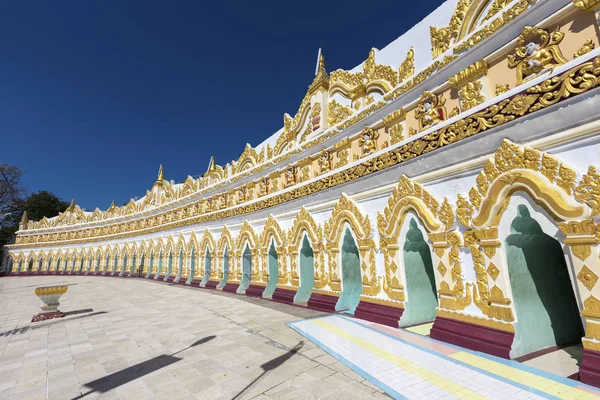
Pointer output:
x,y
211,285
322,302
379,313
283,296
47,315
255,291
231,287
472,336
589,370
170,279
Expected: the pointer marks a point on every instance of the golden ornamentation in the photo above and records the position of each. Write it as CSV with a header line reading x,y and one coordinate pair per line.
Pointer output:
x,y
469,74
489,29
581,251
290,176
470,95
442,269
394,117
588,190
493,270
591,308
273,232
537,52
441,37
519,105
579,79
337,112
395,132
430,110
514,164
496,7
48,290
586,48
325,161
587,5
587,277
368,140
315,114
407,67
501,89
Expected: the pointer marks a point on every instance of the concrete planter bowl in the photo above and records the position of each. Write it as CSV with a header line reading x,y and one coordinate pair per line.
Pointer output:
x,y
50,296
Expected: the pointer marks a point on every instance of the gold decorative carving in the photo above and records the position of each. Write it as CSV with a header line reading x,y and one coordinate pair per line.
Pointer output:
x,y
407,67
395,132
489,323
442,268
579,79
469,74
493,270
501,89
470,95
587,5
588,189
537,52
337,112
586,48
304,222
587,277
591,308
514,164
442,37
368,140
430,110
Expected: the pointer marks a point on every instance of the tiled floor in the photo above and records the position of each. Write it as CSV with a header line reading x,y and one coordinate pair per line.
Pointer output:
x,y
135,339
408,365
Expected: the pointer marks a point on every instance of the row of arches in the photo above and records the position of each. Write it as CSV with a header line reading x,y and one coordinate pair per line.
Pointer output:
x,y
516,262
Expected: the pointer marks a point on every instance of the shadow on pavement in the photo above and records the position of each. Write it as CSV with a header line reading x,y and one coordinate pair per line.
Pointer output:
x,y
271,365
129,374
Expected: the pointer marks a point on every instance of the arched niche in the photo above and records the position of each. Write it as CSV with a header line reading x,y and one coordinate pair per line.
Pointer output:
x,y
434,219
273,251
207,266
246,251
346,217
305,225
522,178
227,261
307,272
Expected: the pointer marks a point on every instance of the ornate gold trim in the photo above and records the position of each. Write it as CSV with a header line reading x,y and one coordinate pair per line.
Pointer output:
x,y
472,72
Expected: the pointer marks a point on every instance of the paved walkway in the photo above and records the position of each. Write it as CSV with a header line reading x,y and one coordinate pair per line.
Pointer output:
x,y
411,366
135,339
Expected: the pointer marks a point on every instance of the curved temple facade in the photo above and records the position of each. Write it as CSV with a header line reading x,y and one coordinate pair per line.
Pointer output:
x,y
449,178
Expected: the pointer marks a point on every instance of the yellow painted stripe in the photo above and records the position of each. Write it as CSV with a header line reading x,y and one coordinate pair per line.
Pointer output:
x,y
428,376
540,383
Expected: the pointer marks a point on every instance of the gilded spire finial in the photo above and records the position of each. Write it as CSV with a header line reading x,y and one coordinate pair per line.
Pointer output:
x,y
321,78
71,206
161,176
211,165
24,221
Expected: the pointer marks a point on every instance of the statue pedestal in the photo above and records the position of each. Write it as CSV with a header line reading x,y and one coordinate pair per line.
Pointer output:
x,y
49,308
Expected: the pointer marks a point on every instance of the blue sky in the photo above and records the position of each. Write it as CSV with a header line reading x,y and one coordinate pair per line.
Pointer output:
x,y
94,95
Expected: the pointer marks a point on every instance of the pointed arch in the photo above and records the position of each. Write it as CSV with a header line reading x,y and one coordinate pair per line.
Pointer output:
x,y
207,241
180,255
225,240
246,235
304,222
546,180
40,262
346,215
410,197
305,225
49,260
272,233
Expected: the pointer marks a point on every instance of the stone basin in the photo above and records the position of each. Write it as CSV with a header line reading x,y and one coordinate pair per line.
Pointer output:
x,y
50,296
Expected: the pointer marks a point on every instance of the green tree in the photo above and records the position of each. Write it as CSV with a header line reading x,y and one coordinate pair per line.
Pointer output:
x,y
44,204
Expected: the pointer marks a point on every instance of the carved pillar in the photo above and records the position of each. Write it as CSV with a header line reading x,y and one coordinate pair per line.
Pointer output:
x,y
294,277
392,283
488,264
335,279
319,259
282,272
256,270
583,245
264,257
371,283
